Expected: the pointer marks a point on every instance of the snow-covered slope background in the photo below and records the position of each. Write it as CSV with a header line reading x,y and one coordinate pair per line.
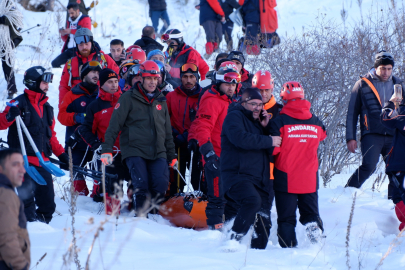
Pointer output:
x,y
134,243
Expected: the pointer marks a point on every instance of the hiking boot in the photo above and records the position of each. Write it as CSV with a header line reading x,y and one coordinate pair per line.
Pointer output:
x,y
81,187
314,233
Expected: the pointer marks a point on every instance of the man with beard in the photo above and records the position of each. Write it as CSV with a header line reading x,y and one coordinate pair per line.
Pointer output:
x,y
86,51
206,132
141,119
72,111
182,106
76,20
38,116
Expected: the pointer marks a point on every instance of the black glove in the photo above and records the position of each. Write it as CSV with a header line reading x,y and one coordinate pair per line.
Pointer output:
x,y
211,159
3,19
13,113
193,145
95,145
181,139
64,159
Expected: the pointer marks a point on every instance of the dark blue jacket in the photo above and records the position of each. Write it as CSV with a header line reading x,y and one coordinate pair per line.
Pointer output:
x,y
157,5
207,13
245,149
396,159
251,11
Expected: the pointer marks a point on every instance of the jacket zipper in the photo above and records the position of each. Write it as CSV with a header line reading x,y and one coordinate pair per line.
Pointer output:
x,y
185,112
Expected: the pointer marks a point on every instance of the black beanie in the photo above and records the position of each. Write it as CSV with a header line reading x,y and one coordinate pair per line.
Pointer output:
x,y
107,74
383,58
251,93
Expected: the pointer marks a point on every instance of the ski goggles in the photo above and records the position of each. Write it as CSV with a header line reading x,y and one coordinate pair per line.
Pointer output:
x,y
189,66
83,39
231,77
134,70
94,64
47,77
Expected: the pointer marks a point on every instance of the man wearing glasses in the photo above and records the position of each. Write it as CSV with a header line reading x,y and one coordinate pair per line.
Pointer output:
x,y
86,51
206,132
367,99
246,144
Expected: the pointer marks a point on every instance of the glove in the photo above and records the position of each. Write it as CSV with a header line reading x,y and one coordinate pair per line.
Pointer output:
x,y
211,159
12,113
181,138
193,145
64,158
107,159
95,145
173,163
79,118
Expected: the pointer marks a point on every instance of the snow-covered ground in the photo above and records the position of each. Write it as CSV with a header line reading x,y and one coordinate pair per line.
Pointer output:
x,y
135,243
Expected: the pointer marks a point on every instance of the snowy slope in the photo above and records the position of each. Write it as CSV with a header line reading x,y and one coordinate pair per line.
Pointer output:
x,y
152,243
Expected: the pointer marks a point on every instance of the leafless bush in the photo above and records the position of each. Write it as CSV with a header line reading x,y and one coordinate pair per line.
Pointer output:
x,y
328,59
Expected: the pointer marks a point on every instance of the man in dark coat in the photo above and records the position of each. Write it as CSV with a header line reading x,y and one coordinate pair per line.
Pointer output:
x,y
367,98
245,145
147,41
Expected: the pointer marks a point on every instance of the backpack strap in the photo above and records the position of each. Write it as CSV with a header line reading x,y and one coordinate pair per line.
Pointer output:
x,y
372,88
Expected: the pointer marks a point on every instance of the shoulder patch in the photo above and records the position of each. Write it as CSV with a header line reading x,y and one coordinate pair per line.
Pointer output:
x,y
158,107
117,106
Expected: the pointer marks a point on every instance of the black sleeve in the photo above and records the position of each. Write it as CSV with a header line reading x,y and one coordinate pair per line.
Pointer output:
x,y
353,112
86,129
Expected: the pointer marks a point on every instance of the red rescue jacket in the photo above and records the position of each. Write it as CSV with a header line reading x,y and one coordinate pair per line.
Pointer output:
x,y
188,55
84,22
37,101
296,161
268,15
179,104
70,75
207,126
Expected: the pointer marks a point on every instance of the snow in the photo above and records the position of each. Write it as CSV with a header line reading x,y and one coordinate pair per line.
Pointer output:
x,y
139,243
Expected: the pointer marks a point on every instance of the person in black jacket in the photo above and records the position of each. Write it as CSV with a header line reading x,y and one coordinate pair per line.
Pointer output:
x,y
228,6
147,41
157,10
246,144
367,97
393,117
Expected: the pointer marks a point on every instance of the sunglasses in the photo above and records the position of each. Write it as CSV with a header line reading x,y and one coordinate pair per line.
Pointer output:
x,y
47,77
188,66
83,39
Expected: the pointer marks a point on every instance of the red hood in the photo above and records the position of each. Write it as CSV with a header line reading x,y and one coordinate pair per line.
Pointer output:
x,y
298,109
245,75
113,98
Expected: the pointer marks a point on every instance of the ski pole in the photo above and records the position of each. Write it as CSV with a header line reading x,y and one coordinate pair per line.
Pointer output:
x,y
38,25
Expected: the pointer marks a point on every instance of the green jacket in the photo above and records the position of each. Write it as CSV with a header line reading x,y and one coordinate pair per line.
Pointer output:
x,y
145,126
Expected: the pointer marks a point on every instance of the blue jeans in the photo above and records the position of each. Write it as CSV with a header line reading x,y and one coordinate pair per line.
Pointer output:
x,y
155,15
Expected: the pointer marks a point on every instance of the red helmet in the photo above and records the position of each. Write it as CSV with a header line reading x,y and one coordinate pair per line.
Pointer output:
x,y
263,80
132,47
229,64
149,69
292,90
137,54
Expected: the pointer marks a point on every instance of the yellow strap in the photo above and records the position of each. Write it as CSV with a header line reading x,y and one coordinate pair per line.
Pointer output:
x,y
373,88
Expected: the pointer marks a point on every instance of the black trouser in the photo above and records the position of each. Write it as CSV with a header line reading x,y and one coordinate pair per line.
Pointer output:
x,y
227,29
31,193
184,157
150,180
63,57
286,205
254,205
9,77
213,31
372,146
216,201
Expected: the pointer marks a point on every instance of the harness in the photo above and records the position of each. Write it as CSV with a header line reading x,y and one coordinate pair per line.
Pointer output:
x,y
98,56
